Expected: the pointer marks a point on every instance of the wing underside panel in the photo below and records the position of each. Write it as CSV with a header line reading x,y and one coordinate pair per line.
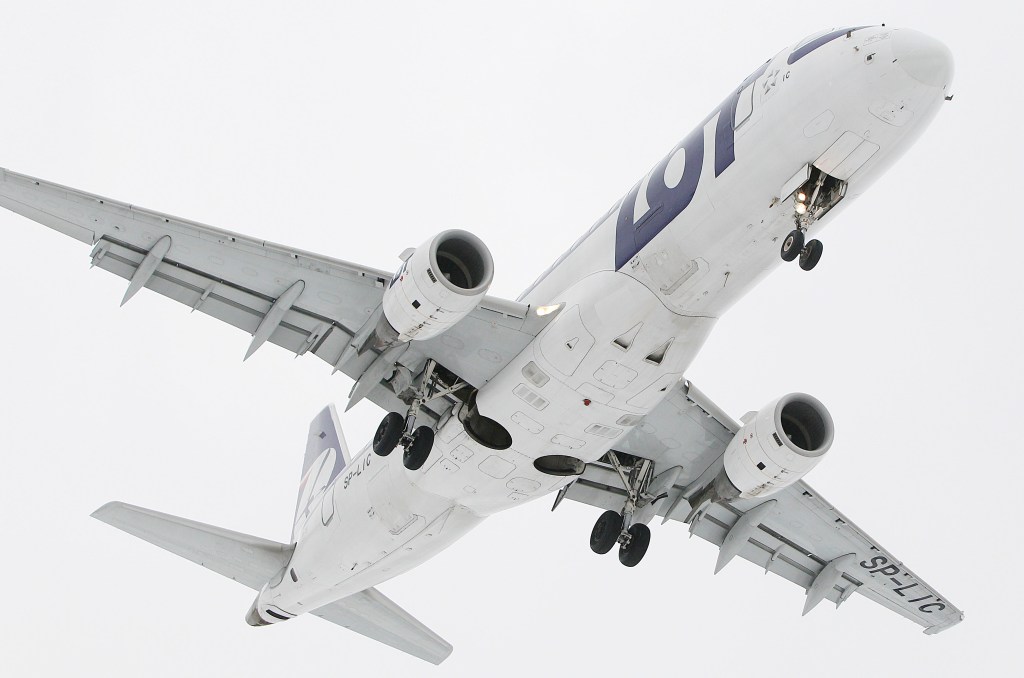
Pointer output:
x,y
797,538
238,279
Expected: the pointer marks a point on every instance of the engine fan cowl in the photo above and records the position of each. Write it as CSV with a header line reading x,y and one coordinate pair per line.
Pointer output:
x,y
779,445
442,281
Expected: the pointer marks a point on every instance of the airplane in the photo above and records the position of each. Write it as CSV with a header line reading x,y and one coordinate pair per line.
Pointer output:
x,y
576,389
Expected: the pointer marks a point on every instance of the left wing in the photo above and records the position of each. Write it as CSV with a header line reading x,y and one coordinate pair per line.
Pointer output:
x,y
303,302
794,533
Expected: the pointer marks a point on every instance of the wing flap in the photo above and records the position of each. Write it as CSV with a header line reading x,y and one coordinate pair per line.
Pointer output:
x,y
243,308
236,279
806,532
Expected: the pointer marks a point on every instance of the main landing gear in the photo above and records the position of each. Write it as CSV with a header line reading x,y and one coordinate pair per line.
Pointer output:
x,y
397,430
417,443
617,528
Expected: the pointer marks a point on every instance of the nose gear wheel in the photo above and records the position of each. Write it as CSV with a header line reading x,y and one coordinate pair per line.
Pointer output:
x,y
792,245
811,254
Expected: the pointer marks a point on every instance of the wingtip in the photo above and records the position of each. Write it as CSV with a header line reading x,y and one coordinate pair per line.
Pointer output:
x,y
104,511
441,658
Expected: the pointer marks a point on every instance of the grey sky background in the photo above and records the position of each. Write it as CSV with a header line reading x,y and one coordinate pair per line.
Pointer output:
x,y
360,130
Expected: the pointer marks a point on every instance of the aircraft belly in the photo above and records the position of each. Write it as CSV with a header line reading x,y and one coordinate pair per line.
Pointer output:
x,y
610,356
383,525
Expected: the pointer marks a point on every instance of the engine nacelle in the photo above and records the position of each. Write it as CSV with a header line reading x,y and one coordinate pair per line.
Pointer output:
x,y
779,445
442,281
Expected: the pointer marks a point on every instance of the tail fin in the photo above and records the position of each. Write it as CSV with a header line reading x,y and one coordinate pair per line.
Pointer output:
x,y
253,561
326,455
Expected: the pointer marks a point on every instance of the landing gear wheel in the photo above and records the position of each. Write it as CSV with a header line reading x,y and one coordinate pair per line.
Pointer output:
x,y
811,254
606,532
792,245
419,449
633,552
388,434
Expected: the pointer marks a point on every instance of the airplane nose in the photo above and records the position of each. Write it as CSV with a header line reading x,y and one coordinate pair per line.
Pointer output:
x,y
922,57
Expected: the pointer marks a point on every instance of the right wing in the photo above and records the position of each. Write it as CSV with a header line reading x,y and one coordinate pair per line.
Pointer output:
x,y
304,302
794,533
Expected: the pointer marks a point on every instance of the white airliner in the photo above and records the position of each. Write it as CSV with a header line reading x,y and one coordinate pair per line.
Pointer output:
x,y
577,388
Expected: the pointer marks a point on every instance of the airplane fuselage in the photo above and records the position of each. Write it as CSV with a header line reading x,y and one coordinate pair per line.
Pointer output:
x,y
637,296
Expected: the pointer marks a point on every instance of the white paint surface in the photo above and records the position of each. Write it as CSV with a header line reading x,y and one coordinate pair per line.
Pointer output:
x,y
522,125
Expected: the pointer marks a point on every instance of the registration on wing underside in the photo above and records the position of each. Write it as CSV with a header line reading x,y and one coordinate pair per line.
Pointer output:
x,y
798,536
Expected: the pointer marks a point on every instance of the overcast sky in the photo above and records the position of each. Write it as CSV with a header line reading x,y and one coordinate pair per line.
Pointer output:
x,y
360,131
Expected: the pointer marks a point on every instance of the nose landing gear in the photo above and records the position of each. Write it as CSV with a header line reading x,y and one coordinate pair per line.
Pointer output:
x,y
793,246
825,192
616,528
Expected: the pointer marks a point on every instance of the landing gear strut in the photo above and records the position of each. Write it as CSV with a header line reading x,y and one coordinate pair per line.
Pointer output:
x,y
397,430
617,528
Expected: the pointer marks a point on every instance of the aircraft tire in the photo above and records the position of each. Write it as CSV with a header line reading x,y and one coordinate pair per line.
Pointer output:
x,y
606,532
388,434
792,245
418,451
811,254
632,553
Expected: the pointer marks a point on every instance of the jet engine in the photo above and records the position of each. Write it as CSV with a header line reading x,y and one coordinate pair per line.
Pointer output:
x,y
440,283
778,445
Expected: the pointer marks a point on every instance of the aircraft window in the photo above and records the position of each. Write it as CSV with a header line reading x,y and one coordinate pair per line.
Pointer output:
x,y
809,38
813,42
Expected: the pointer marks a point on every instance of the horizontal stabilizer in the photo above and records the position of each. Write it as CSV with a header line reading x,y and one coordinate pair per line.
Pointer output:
x,y
254,561
374,615
249,560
